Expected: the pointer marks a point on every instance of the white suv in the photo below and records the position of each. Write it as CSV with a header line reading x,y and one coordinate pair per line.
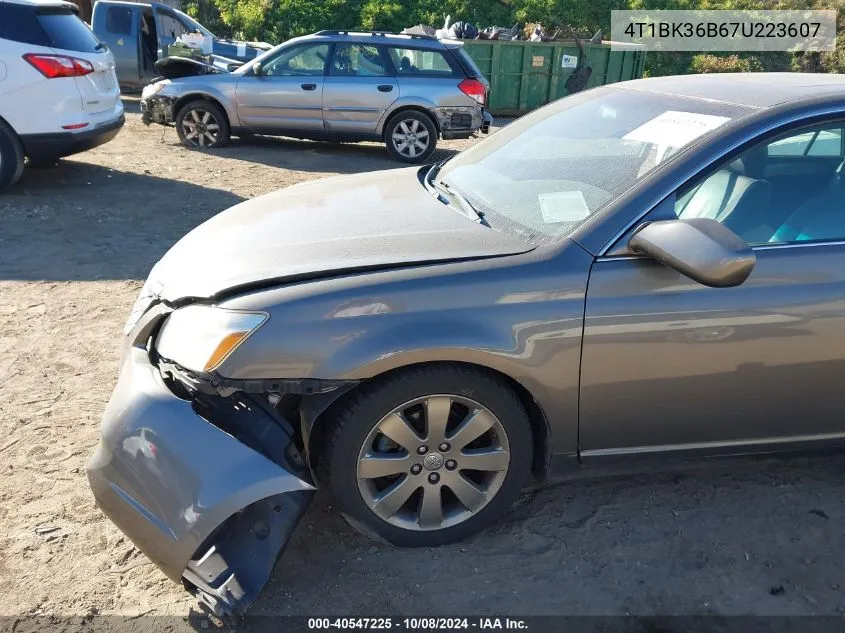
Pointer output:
x,y
58,89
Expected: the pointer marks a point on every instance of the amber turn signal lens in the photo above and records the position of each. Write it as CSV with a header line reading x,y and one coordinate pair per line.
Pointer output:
x,y
229,342
200,337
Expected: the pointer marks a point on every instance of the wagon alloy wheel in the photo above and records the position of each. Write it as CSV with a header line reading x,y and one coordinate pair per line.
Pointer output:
x,y
201,128
433,462
202,124
410,138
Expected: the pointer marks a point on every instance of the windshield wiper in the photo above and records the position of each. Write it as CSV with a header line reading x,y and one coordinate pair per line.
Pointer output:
x,y
465,205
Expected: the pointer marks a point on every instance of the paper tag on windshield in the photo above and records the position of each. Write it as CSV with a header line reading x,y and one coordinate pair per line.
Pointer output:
x,y
675,128
563,206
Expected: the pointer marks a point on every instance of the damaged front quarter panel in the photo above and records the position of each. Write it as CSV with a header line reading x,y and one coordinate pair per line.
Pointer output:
x,y
210,488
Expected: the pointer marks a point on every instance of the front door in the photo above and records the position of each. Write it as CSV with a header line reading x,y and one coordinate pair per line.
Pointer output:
x,y
358,89
288,92
669,363
121,34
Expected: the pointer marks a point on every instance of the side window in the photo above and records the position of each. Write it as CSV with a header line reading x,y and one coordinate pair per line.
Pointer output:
x,y
826,143
119,20
170,25
305,61
821,142
787,189
357,60
410,61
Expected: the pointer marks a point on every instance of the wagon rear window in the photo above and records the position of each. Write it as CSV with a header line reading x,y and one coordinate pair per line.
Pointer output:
x,y
409,61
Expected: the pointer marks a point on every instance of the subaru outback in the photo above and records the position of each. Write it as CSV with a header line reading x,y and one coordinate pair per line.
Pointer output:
x,y
404,90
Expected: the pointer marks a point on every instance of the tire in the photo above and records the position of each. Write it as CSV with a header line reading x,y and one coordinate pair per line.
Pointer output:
x,y
42,163
11,157
204,115
404,134
464,394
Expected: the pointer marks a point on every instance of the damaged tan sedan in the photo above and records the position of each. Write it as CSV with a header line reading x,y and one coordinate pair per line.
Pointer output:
x,y
649,268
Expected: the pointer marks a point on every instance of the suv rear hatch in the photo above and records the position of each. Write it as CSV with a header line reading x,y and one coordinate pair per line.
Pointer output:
x,y
68,35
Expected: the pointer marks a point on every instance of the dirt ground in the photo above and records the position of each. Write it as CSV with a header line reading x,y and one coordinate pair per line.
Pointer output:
x,y
745,537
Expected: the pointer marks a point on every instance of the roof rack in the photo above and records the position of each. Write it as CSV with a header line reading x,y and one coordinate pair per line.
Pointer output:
x,y
376,33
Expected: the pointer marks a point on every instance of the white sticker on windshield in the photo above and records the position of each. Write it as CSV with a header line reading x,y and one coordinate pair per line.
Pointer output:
x,y
675,128
563,206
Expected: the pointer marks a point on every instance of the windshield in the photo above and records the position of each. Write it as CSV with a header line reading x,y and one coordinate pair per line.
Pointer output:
x,y
545,174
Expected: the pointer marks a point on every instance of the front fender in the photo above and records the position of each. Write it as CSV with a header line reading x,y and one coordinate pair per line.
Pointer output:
x,y
186,89
521,316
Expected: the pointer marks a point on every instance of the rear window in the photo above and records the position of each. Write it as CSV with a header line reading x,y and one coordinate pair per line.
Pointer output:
x,y
67,32
18,24
411,61
467,63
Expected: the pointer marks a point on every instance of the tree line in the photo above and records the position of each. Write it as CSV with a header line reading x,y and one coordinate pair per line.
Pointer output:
x,y
274,21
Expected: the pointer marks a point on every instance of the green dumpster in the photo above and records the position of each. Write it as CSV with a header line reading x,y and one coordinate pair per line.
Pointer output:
x,y
526,75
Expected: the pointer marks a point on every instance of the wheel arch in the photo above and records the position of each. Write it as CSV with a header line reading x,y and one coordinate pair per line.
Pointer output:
x,y
181,101
315,411
426,109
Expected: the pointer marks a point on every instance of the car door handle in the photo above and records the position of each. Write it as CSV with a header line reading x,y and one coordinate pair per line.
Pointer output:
x,y
309,86
385,88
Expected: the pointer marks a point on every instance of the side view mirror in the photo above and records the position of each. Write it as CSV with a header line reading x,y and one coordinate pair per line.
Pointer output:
x,y
702,249
256,68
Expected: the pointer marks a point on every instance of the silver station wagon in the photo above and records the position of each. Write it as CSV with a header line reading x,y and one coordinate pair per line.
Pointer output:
x,y
404,90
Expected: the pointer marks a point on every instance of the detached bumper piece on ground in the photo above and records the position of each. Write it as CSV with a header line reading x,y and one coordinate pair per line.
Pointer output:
x,y
210,490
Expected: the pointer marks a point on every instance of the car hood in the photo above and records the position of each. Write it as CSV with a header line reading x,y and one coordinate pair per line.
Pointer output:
x,y
340,225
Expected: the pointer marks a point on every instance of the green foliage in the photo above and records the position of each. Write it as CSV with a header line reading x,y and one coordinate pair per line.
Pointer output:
x,y
277,20
725,64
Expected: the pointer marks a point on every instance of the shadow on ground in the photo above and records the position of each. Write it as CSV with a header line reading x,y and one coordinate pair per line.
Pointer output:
x,y
296,154
717,538
316,156
78,221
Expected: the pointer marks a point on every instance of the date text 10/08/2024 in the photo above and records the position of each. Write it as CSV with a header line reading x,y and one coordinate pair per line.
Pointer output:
x,y
417,624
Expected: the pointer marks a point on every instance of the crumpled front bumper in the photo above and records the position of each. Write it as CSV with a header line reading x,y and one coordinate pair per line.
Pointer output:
x,y
205,507
157,109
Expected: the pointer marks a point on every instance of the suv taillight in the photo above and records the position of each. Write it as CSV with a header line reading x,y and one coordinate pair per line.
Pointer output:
x,y
473,88
52,66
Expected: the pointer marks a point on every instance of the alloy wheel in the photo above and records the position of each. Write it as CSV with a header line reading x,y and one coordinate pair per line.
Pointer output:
x,y
433,462
201,128
410,138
